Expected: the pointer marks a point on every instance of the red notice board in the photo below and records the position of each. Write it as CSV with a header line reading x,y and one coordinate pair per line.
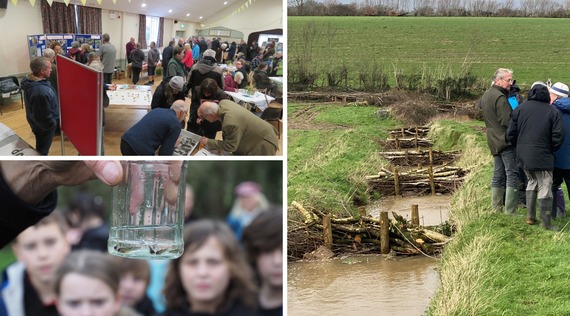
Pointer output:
x,y
80,105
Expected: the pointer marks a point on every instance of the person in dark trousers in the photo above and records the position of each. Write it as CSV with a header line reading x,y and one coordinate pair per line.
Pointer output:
x,y
496,114
536,130
560,100
137,59
42,106
158,130
167,54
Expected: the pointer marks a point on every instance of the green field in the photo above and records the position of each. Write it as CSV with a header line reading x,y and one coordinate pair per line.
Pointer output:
x,y
535,48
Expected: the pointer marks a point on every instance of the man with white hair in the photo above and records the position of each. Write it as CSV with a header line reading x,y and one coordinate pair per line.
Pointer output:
x,y
536,130
496,114
243,132
158,130
50,53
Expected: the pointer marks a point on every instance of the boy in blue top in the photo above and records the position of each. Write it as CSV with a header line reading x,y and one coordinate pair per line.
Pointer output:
x,y
158,130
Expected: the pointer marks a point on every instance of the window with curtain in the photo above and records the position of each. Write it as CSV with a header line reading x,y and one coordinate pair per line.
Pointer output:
x,y
152,24
58,18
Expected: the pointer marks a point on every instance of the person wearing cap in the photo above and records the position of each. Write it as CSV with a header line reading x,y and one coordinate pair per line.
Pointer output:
x,y
168,92
158,130
203,69
249,202
496,114
561,173
243,132
175,66
537,130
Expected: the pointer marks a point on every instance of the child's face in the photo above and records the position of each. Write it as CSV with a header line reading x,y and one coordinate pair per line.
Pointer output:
x,y
81,295
42,249
205,274
270,267
131,289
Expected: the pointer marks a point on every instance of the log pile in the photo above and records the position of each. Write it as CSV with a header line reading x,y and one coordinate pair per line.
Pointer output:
x,y
419,157
408,142
363,235
419,131
442,180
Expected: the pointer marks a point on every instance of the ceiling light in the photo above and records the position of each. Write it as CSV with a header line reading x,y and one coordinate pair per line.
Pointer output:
x,y
225,2
187,14
143,5
170,11
200,17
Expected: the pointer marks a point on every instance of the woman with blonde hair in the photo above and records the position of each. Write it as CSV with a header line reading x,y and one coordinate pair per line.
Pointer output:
x,y
212,277
88,283
249,203
188,60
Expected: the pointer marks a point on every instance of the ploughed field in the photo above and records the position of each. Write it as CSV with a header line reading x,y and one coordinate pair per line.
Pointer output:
x,y
535,48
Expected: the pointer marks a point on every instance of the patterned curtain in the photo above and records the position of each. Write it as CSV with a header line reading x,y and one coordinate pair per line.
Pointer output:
x,y
142,30
58,18
89,20
160,31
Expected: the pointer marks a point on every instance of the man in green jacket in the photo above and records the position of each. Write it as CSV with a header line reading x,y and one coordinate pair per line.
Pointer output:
x,y
497,114
243,132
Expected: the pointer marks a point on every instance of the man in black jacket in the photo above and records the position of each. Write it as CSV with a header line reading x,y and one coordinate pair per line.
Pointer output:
x,y
537,131
167,54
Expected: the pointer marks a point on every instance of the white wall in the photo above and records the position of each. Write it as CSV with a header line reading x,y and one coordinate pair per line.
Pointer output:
x,y
16,22
260,15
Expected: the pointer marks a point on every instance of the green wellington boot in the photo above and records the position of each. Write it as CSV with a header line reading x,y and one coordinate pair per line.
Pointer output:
x,y
545,206
531,207
497,198
511,200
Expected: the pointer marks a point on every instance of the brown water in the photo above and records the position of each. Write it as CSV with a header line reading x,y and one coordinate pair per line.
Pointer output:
x,y
361,285
433,210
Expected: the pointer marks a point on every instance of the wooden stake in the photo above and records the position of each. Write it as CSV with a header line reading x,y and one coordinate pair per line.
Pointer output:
x,y
431,182
416,138
397,142
327,231
396,181
430,157
384,233
415,215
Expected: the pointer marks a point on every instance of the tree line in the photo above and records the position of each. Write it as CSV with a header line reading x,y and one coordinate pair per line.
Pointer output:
x,y
505,8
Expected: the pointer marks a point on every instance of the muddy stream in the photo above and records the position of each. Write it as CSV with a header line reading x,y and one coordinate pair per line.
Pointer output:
x,y
371,284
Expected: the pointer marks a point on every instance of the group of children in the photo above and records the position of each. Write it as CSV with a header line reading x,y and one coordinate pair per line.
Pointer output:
x,y
216,275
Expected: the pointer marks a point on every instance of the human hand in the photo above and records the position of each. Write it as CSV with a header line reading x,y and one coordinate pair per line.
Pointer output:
x,y
204,141
112,87
32,181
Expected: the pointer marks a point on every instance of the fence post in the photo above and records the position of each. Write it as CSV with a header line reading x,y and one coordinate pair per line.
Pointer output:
x,y
327,231
384,233
415,215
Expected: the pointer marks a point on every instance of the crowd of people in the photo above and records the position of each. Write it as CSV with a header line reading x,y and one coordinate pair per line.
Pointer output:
x,y
529,145
63,267
192,69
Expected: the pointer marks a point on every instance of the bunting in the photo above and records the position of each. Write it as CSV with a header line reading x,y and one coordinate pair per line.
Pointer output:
x,y
239,10
115,1
49,2
33,2
99,1
66,2
14,2
83,2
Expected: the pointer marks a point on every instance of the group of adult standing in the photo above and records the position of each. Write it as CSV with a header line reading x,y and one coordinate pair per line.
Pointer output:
x,y
532,136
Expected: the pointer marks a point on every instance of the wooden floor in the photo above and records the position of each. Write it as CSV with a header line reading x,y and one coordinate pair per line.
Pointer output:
x,y
117,121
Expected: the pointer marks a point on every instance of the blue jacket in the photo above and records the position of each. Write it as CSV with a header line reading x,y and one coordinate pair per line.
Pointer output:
x,y
158,128
12,289
562,155
42,106
196,52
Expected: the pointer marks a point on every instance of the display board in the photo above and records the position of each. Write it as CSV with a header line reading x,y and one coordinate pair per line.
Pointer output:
x,y
37,43
80,105
279,40
94,40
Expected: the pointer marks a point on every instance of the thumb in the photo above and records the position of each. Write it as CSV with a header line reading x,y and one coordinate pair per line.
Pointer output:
x,y
109,171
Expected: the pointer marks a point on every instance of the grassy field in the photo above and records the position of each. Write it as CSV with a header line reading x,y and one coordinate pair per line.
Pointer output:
x,y
529,46
330,150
